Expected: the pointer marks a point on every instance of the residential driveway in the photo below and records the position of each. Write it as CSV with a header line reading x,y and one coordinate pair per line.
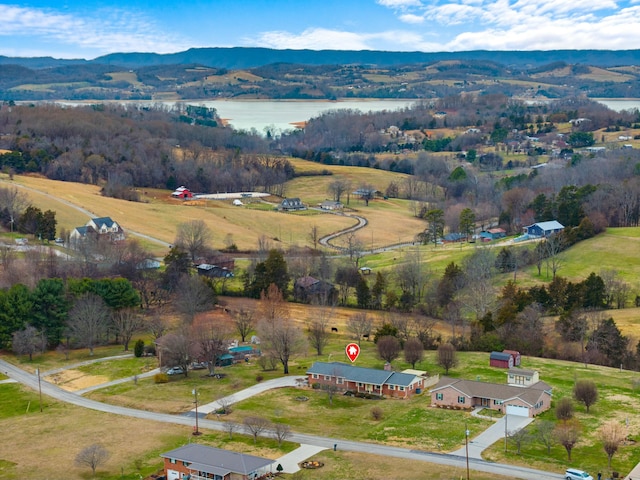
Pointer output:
x,y
491,435
256,389
290,462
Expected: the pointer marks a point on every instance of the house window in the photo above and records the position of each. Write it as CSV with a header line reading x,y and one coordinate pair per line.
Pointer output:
x,y
439,396
497,402
392,387
402,389
315,375
360,385
340,380
172,460
327,377
460,399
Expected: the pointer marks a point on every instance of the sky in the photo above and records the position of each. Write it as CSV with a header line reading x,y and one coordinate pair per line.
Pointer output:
x,y
91,28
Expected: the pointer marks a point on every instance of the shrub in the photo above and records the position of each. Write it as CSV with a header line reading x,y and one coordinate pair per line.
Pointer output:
x,y
377,413
150,350
161,378
138,348
259,378
315,386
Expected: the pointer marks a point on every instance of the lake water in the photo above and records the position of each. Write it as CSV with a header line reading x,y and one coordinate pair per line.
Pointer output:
x,y
619,104
282,114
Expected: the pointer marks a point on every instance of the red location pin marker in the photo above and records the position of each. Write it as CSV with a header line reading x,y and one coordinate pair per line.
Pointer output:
x,y
352,350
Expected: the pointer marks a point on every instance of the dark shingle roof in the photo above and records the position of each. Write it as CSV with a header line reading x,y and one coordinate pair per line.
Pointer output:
x,y
103,221
216,460
361,374
499,356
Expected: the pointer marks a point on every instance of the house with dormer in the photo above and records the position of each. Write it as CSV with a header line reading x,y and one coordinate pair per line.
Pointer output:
x,y
97,229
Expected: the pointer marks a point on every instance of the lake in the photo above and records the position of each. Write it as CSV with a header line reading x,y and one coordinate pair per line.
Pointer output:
x,y
619,104
282,114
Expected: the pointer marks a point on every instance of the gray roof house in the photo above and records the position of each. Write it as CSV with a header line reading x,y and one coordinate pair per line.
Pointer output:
x,y
291,204
360,380
98,228
523,401
543,229
201,462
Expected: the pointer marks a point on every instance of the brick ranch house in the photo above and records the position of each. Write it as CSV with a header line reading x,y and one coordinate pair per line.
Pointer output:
x,y
199,462
524,398
368,380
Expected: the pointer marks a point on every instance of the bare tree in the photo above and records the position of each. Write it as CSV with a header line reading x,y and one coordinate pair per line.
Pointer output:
x,y
212,341
277,331
230,428
519,437
388,348
281,432
255,426
314,236
244,323
567,434
177,350
359,325
156,324
564,409
413,351
88,320
14,202
554,246
447,357
126,322
585,392
354,248
319,329
194,295
479,291
28,341
612,434
93,457
545,434
193,237
338,187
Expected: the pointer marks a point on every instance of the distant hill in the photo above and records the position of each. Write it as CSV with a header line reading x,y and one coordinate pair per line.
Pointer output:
x,y
241,57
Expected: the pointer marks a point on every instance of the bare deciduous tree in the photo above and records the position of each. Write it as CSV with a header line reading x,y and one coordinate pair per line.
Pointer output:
x,y
338,187
93,457
193,237
281,432
176,350
545,434
319,329
519,437
388,348
314,236
126,322
447,357
564,409
567,434
413,351
194,295
156,324
230,428
360,325
277,331
244,322
212,341
28,341
612,434
585,392
88,320
255,426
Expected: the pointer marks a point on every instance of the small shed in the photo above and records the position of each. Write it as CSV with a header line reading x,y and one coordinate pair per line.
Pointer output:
x,y
501,360
224,360
543,229
182,192
515,355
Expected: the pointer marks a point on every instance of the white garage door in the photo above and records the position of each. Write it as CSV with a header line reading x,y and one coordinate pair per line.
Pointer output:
x,y
173,475
517,410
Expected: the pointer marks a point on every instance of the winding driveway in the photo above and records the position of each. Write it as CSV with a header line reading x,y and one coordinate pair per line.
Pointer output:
x,y
310,443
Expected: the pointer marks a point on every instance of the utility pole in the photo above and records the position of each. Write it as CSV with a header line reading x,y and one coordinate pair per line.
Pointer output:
x,y
39,387
195,396
505,431
466,445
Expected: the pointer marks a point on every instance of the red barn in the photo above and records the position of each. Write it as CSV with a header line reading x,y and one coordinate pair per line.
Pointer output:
x,y
183,193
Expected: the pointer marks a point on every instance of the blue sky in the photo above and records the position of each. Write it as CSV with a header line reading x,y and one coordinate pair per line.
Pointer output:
x,y
90,28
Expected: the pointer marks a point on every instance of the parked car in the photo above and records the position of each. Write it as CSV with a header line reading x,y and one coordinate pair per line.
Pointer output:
x,y
175,371
198,365
575,474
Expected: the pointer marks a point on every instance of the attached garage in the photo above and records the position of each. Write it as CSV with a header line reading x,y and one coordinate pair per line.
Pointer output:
x,y
517,410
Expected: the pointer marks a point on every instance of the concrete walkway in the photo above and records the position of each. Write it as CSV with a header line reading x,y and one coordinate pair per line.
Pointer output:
x,y
491,435
290,462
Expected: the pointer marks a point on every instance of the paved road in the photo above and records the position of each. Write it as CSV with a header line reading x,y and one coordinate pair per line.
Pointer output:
x,y
308,441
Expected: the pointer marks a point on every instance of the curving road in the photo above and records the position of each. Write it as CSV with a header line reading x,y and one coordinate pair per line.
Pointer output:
x,y
31,380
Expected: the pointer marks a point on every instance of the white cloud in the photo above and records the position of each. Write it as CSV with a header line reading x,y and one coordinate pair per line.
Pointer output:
x,y
107,31
313,38
400,4
411,18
